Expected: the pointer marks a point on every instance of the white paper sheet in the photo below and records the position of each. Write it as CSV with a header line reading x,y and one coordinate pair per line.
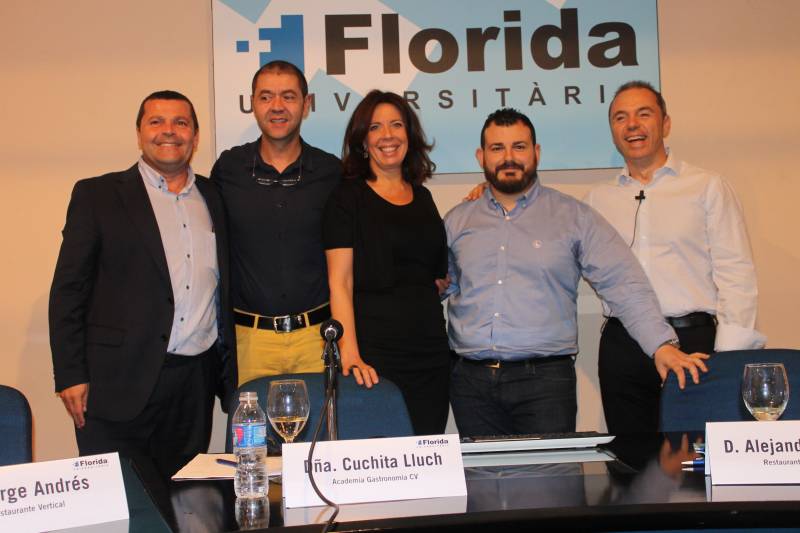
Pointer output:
x,y
205,466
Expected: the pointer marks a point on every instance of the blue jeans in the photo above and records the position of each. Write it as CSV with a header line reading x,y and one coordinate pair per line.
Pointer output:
x,y
535,397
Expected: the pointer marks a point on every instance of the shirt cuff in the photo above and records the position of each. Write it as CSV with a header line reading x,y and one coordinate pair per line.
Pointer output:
x,y
653,342
733,337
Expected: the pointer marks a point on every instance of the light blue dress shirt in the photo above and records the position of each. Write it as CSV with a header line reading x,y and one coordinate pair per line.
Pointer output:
x,y
190,246
514,277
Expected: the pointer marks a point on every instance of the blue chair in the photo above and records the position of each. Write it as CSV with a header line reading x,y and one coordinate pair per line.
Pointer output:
x,y
15,427
362,413
718,397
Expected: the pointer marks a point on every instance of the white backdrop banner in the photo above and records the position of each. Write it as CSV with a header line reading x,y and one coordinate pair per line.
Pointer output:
x,y
456,61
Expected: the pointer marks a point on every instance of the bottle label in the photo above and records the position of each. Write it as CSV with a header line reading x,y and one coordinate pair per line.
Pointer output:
x,y
249,435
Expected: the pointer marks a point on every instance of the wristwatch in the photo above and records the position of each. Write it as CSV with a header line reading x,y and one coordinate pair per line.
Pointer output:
x,y
672,342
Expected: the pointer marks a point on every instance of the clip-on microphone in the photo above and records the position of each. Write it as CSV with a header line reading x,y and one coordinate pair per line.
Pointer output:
x,y
638,197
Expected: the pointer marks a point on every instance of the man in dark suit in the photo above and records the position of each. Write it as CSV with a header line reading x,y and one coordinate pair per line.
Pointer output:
x,y
140,323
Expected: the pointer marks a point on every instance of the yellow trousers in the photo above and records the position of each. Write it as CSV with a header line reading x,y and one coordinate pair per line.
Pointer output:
x,y
263,352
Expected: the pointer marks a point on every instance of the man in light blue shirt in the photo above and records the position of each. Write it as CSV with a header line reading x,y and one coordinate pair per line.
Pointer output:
x,y
516,257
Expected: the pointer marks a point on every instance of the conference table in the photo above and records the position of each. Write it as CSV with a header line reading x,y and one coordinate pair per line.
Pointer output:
x,y
636,482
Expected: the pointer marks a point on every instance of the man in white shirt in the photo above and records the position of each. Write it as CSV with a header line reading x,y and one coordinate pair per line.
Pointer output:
x,y
685,226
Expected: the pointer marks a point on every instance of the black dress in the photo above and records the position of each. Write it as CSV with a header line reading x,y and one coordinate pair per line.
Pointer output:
x,y
398,252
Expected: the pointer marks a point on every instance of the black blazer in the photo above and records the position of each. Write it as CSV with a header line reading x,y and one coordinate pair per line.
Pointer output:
x,y
111,302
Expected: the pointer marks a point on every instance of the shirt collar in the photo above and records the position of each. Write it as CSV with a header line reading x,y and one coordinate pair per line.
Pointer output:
x,y
305,158
154,179
671,168
522,201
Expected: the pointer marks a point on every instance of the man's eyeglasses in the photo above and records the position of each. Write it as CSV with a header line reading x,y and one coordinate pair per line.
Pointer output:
x,y
282,181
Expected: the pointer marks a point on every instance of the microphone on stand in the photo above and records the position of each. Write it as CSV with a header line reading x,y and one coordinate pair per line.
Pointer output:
x,y
331,331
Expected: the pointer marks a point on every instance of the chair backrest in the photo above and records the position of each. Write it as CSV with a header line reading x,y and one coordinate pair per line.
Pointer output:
x,y
718,397
15,427
362,413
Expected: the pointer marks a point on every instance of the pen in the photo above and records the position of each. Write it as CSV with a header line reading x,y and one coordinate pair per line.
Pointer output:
x,y
697,465
227,462
694,462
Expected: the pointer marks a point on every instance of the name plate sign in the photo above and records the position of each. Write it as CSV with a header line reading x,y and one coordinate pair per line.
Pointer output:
x,y
753,453
374,470
61,494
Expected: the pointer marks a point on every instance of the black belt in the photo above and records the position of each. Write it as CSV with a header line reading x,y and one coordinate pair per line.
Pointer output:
x,y
686,321
285,323
497,363
692,320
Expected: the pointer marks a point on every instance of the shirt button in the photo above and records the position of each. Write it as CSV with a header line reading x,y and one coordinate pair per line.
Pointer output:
x,y
187,287
188,255
181,319
499,282
502,248
496,315
508,217
184,225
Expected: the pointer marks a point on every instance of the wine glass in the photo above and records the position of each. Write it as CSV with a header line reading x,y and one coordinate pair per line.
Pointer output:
x,y
287,407
765,390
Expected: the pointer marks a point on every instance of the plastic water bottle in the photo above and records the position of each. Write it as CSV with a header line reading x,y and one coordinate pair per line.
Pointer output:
x,y
249,430
252,513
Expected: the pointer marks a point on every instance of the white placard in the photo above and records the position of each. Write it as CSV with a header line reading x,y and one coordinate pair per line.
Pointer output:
x,y
300,516
374,470
61,494
751,493
753,453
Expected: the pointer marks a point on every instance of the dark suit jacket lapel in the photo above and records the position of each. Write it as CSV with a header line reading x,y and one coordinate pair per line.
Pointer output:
x,y
217,214
137,204
214,207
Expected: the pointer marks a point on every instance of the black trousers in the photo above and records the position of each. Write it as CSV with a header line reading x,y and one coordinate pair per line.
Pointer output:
x,y
537,396
173,427
629,383
424,381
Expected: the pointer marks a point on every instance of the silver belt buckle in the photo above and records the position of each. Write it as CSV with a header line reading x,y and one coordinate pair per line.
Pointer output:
x,y
282,324
496,364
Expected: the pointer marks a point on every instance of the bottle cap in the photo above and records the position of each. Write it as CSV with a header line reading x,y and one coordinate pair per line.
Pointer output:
x,y
248,396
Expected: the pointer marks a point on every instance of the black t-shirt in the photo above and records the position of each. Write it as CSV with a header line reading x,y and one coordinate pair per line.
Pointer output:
x,y
398,252
278,262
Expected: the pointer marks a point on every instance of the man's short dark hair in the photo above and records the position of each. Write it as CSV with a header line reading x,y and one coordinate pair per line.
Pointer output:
x,y
641,84
166,95
283,67
507,117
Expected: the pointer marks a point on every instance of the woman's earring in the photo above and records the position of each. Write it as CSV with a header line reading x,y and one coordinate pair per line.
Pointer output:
x,y
364,151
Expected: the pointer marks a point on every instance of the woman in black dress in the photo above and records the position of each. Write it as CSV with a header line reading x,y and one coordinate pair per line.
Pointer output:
x,y
386,245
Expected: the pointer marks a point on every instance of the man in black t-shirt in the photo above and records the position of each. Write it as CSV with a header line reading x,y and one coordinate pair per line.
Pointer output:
x,y
274,190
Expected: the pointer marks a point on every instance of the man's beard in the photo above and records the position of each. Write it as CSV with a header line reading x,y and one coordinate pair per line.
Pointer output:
x,y
511,186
